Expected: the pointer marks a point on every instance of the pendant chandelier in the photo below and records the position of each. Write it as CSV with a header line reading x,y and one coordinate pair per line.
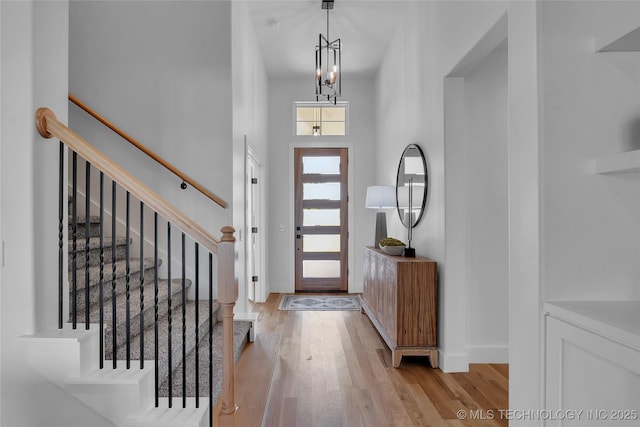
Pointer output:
x,y
328,63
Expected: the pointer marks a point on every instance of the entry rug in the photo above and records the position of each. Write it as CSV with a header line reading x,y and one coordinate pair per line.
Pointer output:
x,y
320,303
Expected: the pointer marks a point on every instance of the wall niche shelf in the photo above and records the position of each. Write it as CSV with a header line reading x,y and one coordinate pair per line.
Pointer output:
x,y
627,162
627,42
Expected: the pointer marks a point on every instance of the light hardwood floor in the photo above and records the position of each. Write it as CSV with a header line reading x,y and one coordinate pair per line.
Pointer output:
x,y
323,369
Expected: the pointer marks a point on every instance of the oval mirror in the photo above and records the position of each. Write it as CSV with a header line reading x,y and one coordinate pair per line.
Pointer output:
x,y
411,186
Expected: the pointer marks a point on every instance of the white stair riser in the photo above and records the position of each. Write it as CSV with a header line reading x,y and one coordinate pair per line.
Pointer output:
x,y
57,359
115,401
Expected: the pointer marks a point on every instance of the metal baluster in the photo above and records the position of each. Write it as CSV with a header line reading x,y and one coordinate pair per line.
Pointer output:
x,y
74,244
210,339
61,236
101,283
87,233
197,296
141,285
170,382
155,303
113,274
184,328
127,284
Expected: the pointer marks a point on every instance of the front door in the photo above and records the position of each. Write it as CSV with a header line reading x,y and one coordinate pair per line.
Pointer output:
x,y
321,219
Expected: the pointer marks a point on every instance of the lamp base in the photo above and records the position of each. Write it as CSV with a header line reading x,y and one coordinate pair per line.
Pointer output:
x,y
381,228
409,252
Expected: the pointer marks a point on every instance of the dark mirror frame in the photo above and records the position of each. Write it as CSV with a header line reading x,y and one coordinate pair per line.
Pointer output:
x,y
402,180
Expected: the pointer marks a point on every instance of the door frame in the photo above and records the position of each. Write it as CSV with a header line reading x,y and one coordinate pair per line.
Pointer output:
x,y
350,209
260,294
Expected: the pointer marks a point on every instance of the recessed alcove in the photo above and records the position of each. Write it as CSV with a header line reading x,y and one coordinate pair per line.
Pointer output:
x,y
476,187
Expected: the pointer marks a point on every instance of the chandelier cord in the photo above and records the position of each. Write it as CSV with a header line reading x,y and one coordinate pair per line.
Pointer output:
x,y
328,45
328,38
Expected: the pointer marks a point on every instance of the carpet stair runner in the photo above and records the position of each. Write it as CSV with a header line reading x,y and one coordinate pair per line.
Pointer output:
x,y
147,335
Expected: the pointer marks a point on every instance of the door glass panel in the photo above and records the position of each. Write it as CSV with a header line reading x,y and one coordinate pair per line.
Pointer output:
x,y
326,217
321,165
324,191
320,269
321,243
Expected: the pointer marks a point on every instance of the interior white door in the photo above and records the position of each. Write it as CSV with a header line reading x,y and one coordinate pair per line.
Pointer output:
x,y
254,242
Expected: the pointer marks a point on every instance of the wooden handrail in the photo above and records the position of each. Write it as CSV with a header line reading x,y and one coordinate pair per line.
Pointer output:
x,y
183,176
49,126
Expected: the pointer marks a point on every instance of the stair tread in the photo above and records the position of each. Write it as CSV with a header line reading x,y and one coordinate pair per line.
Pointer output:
x,y
81,219
134,303
163,337
240,330
120,375
163,416
94,243
121,271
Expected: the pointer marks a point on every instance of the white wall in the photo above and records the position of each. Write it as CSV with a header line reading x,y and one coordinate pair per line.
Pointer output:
x,y
34,58
161,71
487,251
433,39
282,95
591,222
250,94
410,88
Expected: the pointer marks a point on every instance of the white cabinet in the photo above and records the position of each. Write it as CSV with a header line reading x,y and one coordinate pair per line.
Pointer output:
x,y
593,363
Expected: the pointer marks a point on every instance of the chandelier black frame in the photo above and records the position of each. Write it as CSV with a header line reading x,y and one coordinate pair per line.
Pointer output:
x,y
329,78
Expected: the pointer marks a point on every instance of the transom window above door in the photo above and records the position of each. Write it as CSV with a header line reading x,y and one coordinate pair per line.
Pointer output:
x,y
321,119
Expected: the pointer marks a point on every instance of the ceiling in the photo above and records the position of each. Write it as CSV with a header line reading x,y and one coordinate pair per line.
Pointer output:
x,y
365,28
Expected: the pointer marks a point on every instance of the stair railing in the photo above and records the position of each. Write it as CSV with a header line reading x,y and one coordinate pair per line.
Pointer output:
x,y
183,176
227,291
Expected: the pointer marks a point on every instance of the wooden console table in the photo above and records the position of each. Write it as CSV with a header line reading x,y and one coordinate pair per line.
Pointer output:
x,y
400,298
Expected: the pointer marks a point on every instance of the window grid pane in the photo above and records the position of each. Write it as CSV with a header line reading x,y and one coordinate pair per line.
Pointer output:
x,y
330,120
332,129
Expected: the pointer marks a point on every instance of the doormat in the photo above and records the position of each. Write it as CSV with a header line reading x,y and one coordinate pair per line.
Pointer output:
x,y
320,303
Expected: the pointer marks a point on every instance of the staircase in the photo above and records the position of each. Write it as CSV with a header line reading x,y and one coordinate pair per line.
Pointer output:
x,y
147,336
138,352
126,396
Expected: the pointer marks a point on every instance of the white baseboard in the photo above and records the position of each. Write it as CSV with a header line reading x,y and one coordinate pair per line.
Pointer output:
x,y
453,362
488,354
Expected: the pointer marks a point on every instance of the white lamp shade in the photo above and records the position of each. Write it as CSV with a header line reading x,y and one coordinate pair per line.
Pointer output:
x,y
381,197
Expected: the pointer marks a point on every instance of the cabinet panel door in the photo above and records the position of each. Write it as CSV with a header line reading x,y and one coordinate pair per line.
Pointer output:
x,y
380,279
417,305
368,275
390,297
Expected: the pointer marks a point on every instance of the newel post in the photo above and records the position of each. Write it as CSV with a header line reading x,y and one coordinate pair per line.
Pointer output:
x,y
227,296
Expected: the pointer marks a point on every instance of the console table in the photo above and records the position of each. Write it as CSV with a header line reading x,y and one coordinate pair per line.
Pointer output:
x,y
400,298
